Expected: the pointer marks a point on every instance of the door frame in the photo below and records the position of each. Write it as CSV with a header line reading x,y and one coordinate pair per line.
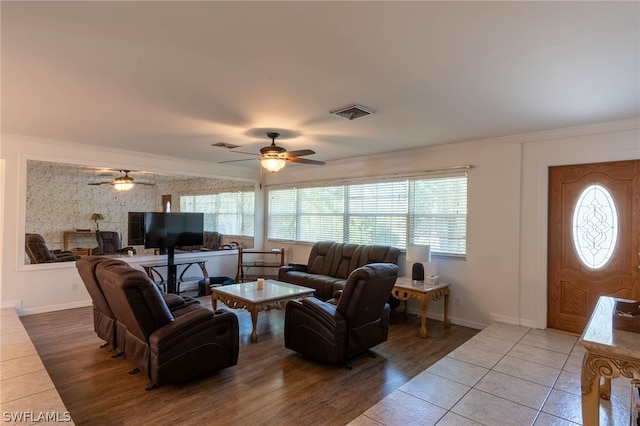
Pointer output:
x,y
543,223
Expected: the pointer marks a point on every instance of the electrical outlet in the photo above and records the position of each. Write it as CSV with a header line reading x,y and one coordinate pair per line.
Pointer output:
x,y
456,301
74,286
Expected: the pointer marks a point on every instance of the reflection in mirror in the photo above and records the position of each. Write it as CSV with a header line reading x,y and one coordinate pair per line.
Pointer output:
x,y
62,199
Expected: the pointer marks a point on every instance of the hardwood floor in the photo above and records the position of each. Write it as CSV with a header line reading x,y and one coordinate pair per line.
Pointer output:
x,y
270,385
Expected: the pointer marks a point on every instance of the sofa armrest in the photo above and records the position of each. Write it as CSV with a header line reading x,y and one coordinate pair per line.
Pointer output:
x,y
63,256
172,300
292,267
192,323
326,311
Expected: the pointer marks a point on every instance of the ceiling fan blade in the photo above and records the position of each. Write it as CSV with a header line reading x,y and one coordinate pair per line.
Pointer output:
x,y
300,153
306,161
234,161
144,183
99,183
248,153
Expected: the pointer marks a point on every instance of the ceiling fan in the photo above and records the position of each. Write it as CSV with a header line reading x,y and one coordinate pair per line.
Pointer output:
x,y
122,183
274,157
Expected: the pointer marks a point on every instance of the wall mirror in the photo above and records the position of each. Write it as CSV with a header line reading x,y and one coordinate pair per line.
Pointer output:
x,y
66,203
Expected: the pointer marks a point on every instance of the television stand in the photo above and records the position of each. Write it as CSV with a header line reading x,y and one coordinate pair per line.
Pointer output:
x,y
173,280
172,271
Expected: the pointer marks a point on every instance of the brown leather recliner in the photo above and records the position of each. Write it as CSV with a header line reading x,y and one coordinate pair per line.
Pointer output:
x,y
109,242
104,322
38,251
338,333
167,349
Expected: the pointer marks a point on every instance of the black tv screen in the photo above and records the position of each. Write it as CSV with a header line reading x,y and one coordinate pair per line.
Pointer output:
x,y
135,228
173,229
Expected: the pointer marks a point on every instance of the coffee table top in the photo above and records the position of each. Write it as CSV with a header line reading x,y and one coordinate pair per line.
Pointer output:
x,y
273,290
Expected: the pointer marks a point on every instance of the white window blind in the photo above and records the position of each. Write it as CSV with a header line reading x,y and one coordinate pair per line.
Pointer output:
x,y
229,213
439,214
429,210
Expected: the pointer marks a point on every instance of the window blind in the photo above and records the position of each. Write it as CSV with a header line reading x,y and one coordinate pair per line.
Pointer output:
x,y
230,213
429,210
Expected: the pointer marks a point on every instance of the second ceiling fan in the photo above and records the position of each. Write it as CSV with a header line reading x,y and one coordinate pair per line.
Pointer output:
x,y
274,157
122,183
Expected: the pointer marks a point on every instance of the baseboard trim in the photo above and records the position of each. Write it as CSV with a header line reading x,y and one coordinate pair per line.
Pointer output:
x,y
14,304
512,320
53,308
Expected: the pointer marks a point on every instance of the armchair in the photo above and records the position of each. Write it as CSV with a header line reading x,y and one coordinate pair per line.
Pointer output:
x,y
104,321
109,242
167,349
337,333
38,251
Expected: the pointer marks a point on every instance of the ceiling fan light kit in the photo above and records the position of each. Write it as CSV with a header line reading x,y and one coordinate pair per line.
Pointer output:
x,y
273,164
122,183
273,157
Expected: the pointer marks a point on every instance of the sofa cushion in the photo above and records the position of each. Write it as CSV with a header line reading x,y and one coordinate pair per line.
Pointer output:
x,y
321,258
330,264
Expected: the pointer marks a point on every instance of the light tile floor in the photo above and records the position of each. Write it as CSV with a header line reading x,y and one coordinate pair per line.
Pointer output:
x,y
504,375
27,393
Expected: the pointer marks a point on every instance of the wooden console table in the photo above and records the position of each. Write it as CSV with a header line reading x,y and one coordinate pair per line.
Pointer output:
x,y
610,354
66,235
404,289
151,269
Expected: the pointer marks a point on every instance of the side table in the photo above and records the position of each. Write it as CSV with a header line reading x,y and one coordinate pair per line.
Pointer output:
x,y
610,353
404,289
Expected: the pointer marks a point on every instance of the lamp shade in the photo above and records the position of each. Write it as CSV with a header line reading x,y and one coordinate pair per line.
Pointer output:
x,y
416,253
97,216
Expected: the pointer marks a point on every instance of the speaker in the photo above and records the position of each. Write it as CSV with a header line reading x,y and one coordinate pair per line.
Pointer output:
x,y
417,273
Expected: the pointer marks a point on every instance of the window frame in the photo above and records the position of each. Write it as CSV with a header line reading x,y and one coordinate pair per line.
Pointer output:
x,y
409,236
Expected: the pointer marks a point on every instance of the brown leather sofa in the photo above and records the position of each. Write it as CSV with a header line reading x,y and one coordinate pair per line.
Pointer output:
x,y
168,348
211,241
337,333
104,322
38,251
330,264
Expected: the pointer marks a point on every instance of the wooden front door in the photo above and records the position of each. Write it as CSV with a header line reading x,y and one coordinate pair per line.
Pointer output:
x,y
595,250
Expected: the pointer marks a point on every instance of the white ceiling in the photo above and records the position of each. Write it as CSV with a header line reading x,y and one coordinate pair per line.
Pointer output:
x,y
172,78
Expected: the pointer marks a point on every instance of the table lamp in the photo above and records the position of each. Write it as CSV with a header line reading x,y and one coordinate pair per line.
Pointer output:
x,y
96,217
418,254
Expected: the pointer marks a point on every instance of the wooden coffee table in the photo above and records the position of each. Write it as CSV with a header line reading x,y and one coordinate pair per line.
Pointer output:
x,y
405,289
274,295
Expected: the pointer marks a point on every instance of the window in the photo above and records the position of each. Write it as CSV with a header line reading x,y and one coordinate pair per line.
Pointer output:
x,y
229,213
427,210
595,226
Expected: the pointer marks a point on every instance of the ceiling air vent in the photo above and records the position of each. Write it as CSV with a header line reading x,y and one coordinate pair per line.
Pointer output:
x,y
225,145
353,112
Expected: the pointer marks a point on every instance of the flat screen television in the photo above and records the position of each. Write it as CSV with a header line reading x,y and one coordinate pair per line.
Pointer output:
x,y
168,230
135,228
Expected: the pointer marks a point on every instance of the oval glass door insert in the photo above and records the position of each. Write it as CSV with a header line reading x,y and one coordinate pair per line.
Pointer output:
x,y
595,226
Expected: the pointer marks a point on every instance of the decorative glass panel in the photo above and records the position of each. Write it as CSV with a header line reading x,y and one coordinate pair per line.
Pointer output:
x,y
595,226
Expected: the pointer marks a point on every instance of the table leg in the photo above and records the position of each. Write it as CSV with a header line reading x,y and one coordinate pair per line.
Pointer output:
x,y
447,323
254,323
605,389
214,302
423,316
590,400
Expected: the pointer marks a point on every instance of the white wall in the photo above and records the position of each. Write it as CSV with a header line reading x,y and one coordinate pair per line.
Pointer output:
x,y
504,276
40,288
